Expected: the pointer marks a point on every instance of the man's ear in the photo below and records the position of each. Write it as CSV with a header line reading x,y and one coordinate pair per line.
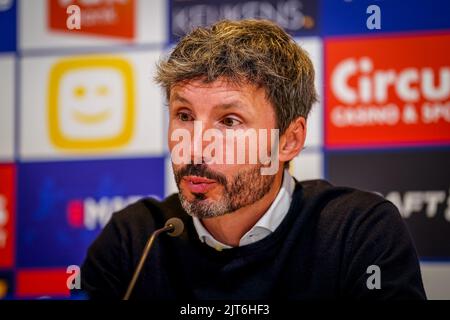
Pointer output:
x,y
293,140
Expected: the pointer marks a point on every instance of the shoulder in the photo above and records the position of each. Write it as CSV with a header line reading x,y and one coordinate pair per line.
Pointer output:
x,y
314,190
363,229
347,208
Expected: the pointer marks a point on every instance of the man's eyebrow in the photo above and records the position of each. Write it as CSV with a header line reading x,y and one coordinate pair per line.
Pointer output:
x,y
230,105
177,97
225,106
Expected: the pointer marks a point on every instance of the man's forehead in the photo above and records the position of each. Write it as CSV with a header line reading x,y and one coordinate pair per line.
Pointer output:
x,y
225,88
201,84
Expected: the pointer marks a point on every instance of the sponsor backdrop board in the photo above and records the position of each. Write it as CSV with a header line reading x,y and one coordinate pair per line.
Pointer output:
x,y
346,17
7,123
8,17
90,105
83,127
43,23
7,215
416,181
398,99
299,18
72,201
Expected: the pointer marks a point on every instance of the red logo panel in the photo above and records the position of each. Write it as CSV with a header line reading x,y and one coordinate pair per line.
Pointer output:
x,y
7,215
113,18
390,91
42,282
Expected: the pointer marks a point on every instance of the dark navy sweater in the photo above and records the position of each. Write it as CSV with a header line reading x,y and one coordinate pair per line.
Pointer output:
x,y
321,250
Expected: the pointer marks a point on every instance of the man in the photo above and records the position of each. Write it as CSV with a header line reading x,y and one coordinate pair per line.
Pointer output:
x,y
251,230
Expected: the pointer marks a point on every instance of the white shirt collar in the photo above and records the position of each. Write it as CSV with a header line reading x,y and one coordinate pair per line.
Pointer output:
x,y
265,225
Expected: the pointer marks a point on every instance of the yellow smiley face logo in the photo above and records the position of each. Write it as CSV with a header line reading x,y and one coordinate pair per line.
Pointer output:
x,y
91,103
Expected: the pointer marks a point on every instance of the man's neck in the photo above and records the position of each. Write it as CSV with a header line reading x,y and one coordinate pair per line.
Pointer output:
x,y
229,228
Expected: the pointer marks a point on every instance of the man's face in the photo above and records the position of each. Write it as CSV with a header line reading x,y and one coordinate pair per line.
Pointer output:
x,y
210,188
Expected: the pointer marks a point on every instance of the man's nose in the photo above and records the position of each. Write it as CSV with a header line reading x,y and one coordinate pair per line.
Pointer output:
x,y
199,143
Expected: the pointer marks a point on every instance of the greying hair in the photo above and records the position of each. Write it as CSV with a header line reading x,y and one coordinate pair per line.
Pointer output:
x,y
252,51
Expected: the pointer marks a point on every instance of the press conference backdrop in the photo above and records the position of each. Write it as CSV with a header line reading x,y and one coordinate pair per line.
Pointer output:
x,y
83,127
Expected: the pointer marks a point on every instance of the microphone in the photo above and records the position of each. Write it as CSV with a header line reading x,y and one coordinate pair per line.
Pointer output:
x,y
173,227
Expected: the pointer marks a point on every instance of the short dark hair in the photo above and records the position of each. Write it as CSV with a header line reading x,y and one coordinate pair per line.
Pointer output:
x,y
254,51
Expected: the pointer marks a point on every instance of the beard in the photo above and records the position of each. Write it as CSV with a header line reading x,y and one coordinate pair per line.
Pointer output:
x,y
243,189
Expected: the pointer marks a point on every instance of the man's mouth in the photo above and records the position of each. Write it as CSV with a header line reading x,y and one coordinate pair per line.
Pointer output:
x,y
197,184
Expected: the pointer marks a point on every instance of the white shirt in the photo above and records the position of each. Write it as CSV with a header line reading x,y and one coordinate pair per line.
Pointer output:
x,y
265,225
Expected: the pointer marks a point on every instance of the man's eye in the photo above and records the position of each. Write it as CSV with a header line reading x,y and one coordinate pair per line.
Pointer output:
x,y
183,116
230,122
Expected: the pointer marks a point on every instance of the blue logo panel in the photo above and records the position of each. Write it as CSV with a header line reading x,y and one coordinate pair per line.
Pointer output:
x,y
340,17
62,206
8,25
298,17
